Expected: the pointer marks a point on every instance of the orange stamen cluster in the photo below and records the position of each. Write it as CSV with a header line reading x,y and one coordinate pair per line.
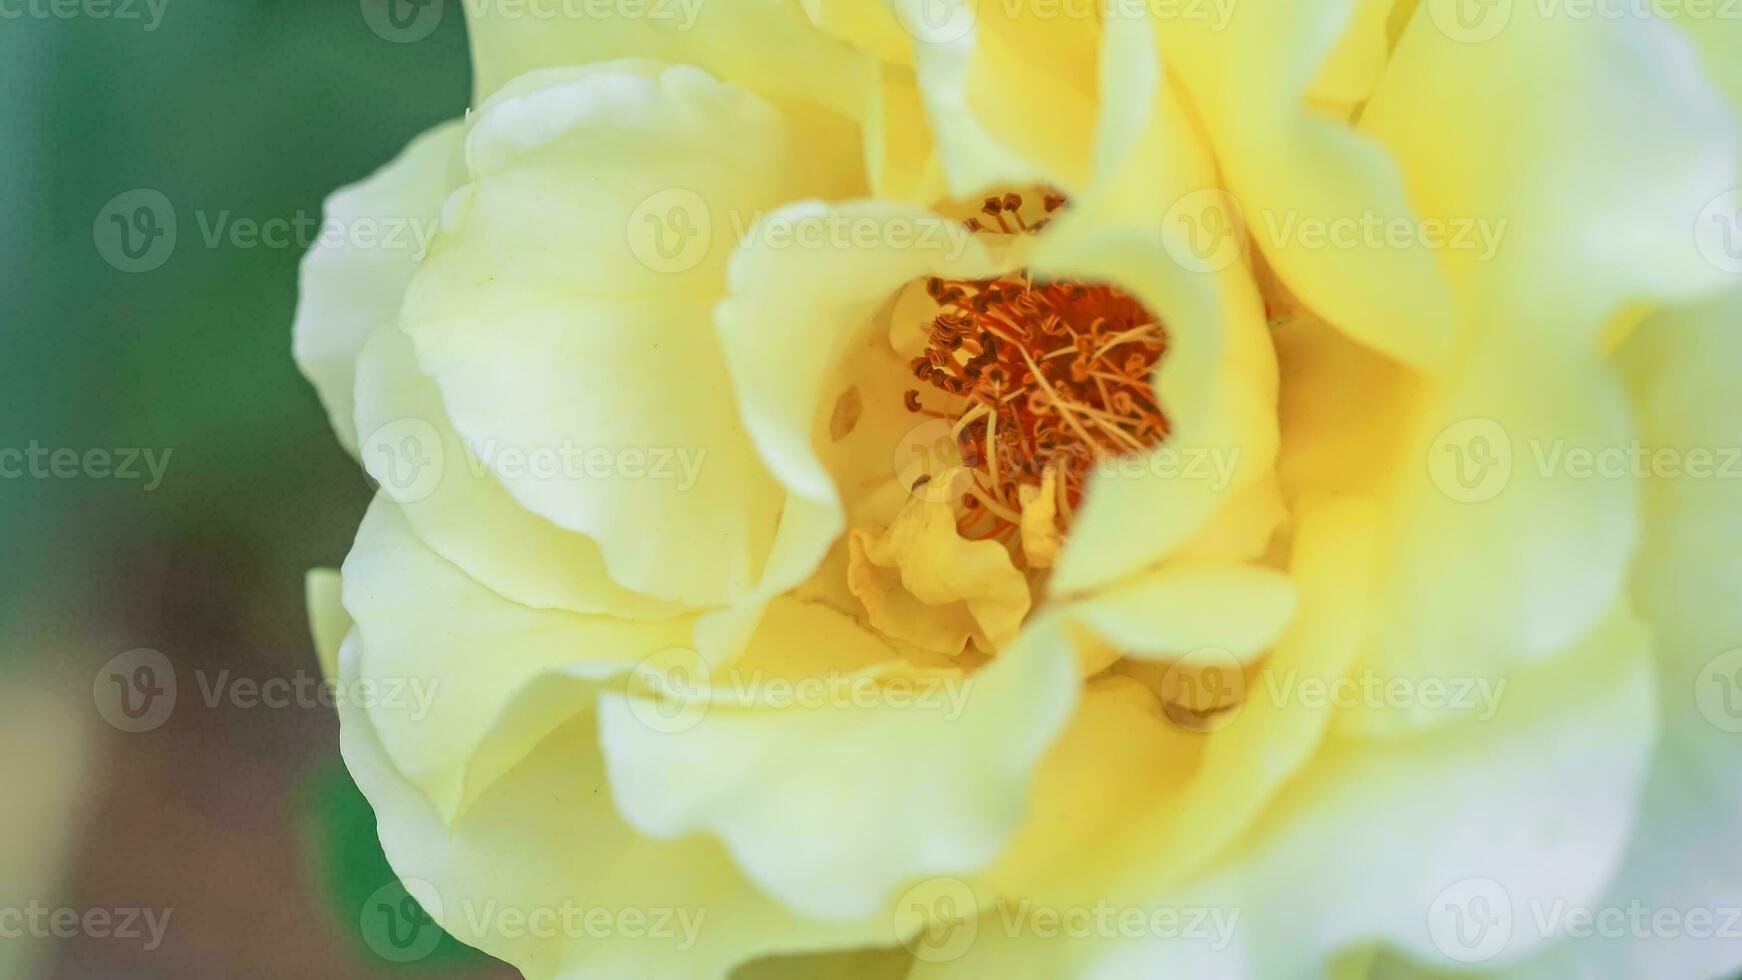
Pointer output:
x,y
1038,376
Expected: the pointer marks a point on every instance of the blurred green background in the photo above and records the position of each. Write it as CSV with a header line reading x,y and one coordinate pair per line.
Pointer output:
x,y
237,822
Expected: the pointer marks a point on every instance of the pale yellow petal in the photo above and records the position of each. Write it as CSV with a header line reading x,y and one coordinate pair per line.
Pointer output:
x,y
1118,758
567,311
900,152
866,964
447,658
1276,732
872,26
1179,609
354,276
544,845
1354,64
459,508
922,582
1151,800
1332,442
1290,168
1530,806
1041,535
1502,546
328,620
1010,93
1593,202
940,771
1242,531
1679,371
766,46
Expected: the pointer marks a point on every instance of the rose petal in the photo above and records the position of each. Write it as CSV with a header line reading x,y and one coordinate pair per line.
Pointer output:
x,y
346,290
544,840
938,784
766,47
448,659
461,510
553,324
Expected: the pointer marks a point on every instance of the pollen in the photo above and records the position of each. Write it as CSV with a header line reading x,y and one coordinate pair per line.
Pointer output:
x,y
1036,377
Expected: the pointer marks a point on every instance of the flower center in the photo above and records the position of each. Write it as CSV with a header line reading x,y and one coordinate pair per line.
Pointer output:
x,y
1038,378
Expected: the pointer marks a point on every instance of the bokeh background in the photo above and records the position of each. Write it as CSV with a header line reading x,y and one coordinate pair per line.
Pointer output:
x,y
237,822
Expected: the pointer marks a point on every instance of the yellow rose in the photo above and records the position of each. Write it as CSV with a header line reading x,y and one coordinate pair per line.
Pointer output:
x,y
947,488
